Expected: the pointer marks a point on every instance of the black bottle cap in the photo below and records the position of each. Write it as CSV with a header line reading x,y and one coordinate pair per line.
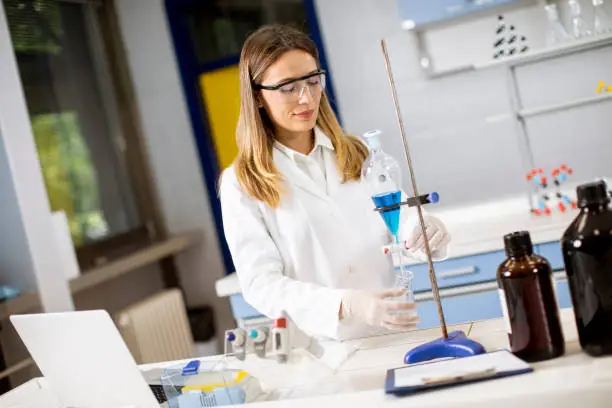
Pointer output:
x,y
518,244
592,194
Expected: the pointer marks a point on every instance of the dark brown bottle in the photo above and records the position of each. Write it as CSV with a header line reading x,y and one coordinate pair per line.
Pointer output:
x,y
528,301
587,254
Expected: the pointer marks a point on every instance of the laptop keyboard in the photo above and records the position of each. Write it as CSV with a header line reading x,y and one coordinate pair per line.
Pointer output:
x,y
159,393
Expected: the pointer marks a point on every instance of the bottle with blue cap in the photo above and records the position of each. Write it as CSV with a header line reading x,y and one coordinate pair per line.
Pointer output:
x,y
257,335
237,339
259,339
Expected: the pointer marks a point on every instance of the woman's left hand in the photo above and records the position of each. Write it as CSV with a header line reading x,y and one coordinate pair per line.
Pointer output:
x,y
436,232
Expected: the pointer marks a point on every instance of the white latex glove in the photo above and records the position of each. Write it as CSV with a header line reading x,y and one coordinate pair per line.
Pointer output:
x,y
415,242
372,309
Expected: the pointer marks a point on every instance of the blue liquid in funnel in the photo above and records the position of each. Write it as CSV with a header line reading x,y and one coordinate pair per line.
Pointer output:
x,y
391,217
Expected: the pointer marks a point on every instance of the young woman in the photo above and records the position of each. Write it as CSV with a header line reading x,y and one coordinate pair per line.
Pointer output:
x,y
299,223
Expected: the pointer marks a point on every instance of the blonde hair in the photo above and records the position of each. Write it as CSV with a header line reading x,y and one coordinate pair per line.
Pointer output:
x,y
254,165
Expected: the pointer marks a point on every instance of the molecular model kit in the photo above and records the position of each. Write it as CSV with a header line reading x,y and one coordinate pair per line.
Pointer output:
x,y
508,41
548,191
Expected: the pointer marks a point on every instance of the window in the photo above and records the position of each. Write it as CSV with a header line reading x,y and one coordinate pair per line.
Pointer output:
x,y
64,64
219,28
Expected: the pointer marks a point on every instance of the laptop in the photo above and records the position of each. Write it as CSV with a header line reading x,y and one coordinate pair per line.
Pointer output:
x,y
84,359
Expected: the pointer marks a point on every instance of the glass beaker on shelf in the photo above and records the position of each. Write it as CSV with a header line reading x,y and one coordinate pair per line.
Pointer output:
x,y
580,28
602,23
556,32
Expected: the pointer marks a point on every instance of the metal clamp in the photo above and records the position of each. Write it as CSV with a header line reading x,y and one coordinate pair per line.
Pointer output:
x,y
430,198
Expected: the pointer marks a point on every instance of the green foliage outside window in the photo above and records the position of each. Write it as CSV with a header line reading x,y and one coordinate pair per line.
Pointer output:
x,y
40,37
68,172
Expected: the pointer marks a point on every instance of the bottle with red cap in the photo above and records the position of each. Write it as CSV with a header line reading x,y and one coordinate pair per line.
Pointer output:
x,y
280,338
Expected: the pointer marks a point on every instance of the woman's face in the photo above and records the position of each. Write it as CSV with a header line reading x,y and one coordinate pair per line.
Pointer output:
x,y
294,106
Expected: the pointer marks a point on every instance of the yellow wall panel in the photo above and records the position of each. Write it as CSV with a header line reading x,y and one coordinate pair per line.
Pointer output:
x,y
221,92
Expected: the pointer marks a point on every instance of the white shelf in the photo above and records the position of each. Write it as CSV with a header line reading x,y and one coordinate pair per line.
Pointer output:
x,y
531,56
451,71
526,113
550,52
133,262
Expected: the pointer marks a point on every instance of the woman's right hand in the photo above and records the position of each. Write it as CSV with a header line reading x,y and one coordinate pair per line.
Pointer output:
x,y
372,308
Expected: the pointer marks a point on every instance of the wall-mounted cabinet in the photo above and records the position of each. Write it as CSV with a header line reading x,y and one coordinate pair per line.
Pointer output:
x,y
418,13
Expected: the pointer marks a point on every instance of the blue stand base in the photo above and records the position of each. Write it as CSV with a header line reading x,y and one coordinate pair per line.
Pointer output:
x,y
457,345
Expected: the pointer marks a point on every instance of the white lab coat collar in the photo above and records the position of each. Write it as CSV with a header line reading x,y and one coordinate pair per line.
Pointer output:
x,y
320,140
284,159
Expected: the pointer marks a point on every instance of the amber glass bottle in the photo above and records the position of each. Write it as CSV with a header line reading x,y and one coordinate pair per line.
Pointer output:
x,y
587,253
528,301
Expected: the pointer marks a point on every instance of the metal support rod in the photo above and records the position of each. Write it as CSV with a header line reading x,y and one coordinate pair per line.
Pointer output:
x,y
432,274
524,144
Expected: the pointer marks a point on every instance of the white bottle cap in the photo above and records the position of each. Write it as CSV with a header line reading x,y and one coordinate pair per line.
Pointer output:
x,y
372,138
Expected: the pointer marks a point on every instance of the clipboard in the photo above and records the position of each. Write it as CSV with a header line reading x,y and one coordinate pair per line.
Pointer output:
x,y
454,371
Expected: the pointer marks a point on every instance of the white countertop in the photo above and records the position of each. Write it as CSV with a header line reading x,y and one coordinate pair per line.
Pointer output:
x,y
475,229
574,379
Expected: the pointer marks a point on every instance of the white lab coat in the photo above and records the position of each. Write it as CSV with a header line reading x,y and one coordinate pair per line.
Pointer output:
x,y
299,257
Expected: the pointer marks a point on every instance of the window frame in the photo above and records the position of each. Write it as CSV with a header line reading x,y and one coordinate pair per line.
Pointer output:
x,y
111,53
116,91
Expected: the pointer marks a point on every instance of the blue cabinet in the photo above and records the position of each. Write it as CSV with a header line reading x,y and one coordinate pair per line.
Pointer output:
x,y
241,309
420,12
564,299
458,271
552,252
476,268
457,309
473,306
461,309
455,273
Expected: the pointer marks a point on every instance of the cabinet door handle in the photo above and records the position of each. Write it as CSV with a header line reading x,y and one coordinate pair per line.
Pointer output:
x,y
560,276
458,272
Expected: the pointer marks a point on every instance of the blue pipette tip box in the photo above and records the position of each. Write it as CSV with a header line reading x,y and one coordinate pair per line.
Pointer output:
x,y
191,368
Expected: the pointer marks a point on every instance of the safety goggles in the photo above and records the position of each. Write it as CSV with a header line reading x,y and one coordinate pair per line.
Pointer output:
x,y
291,91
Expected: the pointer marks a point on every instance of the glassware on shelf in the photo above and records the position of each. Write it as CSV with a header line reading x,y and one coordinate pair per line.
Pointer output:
x,y
556,32
602,23
580,28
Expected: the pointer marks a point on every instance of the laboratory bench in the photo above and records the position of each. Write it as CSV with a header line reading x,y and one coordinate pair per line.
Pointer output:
x,y
467,277
357,378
